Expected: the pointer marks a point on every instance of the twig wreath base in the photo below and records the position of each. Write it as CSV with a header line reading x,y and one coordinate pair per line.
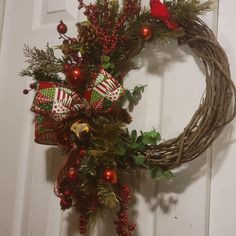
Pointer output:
x,y
217,108
80,100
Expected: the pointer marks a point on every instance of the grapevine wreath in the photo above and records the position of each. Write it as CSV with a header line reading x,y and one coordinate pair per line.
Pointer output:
x,y
80,97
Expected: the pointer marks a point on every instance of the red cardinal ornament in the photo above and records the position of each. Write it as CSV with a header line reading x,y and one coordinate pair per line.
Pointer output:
x,y
160,12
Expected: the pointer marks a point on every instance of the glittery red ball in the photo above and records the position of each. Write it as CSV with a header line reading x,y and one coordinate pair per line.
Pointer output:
x,y
75,77
110,176
72,174
146,32
61,28
65,203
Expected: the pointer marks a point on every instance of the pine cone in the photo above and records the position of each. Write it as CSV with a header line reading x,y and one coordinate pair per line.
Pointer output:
x,y
118,114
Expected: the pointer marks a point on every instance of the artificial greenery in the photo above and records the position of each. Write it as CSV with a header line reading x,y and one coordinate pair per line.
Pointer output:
x,y
42,65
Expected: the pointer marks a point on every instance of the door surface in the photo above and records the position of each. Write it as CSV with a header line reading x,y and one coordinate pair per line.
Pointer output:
x,y
200,201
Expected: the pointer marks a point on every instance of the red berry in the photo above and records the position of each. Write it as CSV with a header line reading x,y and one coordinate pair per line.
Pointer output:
x,y
61,28
65,203
32,85
25,91
72,174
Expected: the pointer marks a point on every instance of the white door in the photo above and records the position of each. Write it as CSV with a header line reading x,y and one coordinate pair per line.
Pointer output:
x,y
200,201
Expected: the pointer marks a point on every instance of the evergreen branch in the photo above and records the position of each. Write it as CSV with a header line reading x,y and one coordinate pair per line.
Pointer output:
x,y
107,197
42,65
182,9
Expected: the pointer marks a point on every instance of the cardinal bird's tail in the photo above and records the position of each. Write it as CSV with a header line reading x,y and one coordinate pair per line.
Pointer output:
x,y
171,25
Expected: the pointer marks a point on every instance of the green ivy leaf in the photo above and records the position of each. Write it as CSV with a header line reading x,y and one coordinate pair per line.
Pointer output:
x,y
128,95
154,134
120,150
134,135
168,174
112,65
151,137
147,140
139,160
134,145
106,65
158,174
106,59
141,147
153,172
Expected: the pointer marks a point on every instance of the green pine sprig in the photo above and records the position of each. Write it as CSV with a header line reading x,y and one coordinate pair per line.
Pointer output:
x,y
42,65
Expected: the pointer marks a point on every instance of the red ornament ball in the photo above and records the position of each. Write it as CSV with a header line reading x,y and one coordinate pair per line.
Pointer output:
x,y
61,28
72,174
75,77
146,32
109,175
65,203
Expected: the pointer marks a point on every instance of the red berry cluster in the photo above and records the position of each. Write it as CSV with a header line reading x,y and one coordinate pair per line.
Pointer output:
x,y
82,224
110,33
131,8
124,228
68,177
72,66
86,205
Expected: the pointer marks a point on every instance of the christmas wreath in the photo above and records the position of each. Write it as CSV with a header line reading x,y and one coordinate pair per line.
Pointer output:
x,y
80,97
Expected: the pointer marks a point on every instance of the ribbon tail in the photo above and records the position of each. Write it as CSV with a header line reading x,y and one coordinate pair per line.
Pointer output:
x,y
62,173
